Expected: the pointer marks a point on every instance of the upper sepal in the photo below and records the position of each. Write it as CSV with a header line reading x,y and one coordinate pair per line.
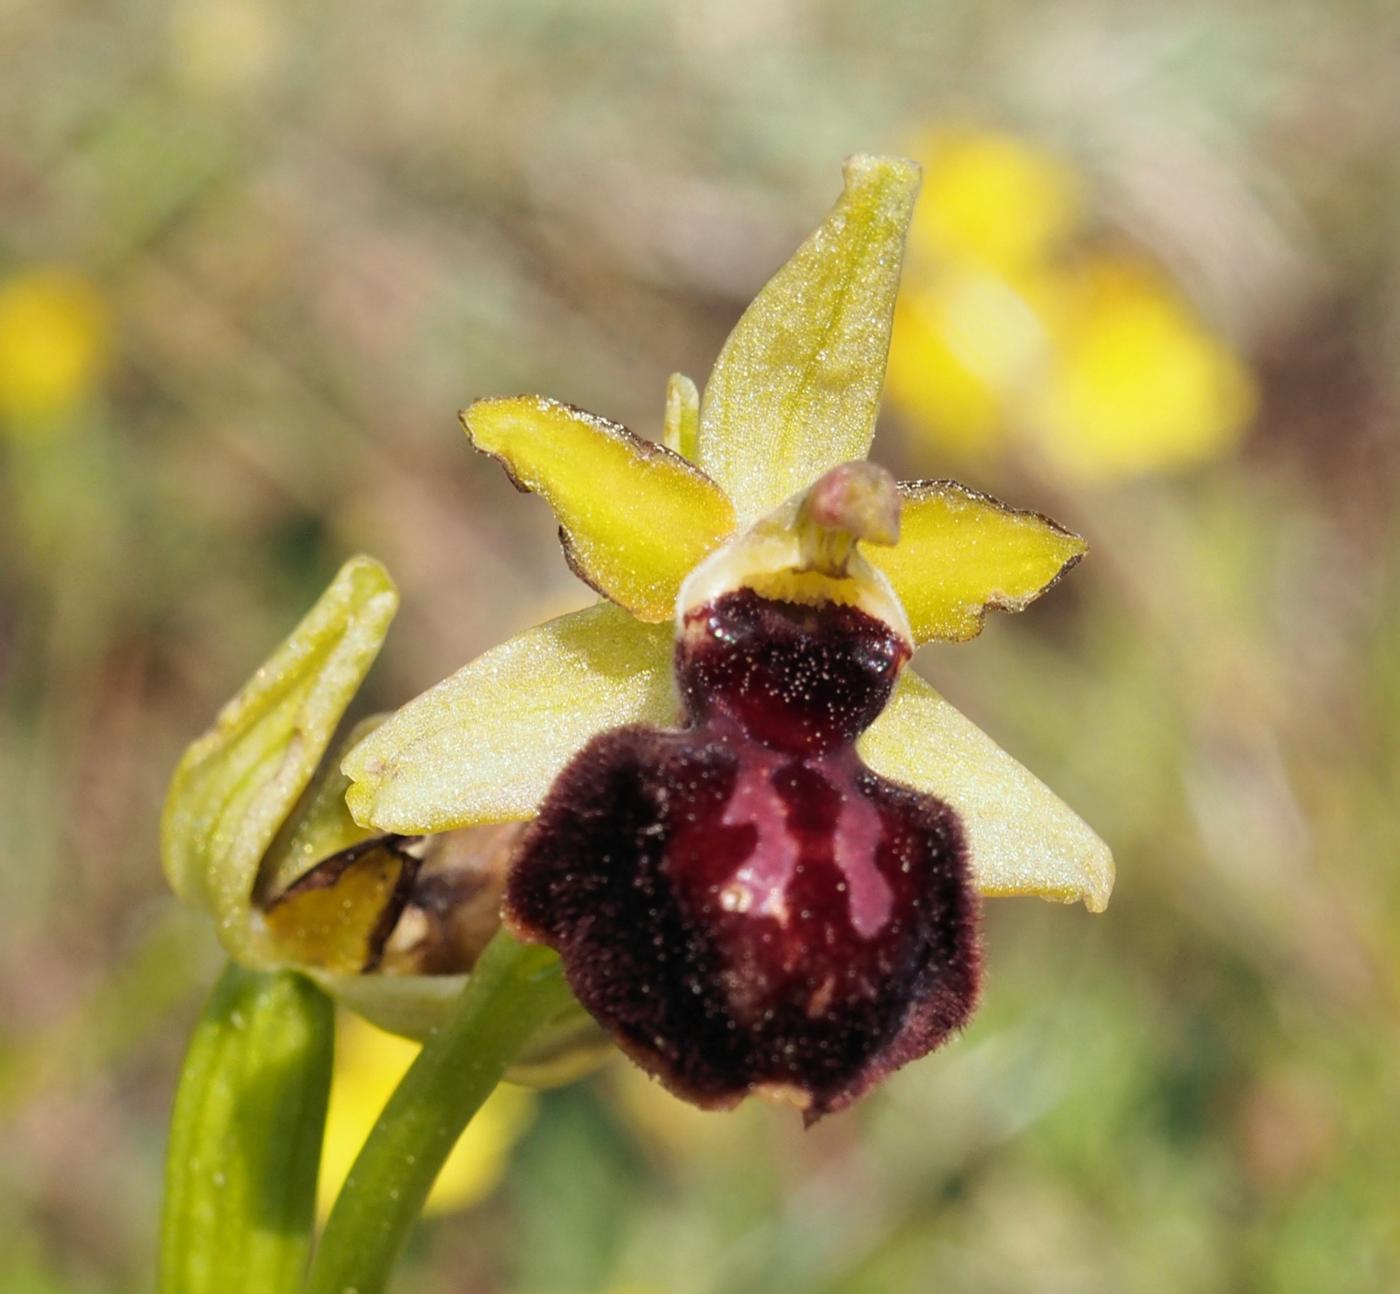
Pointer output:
x,y
796,389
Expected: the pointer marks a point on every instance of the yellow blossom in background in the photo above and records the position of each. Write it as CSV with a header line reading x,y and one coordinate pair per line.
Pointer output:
x,y
53,346
1004,333
966,342
1139,384
368,1066
990,201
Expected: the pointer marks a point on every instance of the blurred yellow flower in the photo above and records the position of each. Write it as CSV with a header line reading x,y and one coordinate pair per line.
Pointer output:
x,y
991,201
966,344
53,344
368,1066
1138,384
1095,358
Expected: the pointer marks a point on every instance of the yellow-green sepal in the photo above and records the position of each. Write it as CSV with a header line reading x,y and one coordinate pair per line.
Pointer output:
x,y
238,783
485,744
796,389
329,889
320,826
1022,839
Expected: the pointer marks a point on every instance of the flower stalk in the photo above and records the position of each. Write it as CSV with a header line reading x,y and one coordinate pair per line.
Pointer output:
x,y
514,990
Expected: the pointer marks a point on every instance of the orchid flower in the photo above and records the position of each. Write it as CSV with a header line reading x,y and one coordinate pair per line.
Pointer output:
x,y
759,490
755,838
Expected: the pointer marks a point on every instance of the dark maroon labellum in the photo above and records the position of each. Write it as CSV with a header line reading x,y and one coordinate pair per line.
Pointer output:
x,y
744,903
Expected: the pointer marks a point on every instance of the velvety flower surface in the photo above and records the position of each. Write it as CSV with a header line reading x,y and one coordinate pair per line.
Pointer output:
x,y
758,840
743,901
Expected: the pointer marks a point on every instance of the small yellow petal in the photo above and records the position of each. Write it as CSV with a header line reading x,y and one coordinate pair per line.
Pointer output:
x,y
1022,839
797,386
633,516
368,1066
682,427
961,552
485,744
237,784
337,917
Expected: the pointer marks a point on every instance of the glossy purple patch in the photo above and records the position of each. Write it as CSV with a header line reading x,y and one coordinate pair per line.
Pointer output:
x,y
744,903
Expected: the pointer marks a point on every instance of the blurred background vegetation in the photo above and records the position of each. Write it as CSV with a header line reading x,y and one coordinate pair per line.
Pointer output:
x,y
255,255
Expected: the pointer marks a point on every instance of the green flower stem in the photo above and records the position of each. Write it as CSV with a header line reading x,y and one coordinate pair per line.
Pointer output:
x,y
513,990
245,1138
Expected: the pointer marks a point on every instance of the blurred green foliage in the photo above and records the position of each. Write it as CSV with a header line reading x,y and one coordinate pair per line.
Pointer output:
x,y
253,257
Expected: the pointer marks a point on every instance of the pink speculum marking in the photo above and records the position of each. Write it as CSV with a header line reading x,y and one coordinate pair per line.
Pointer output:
x,y
843,832
743,902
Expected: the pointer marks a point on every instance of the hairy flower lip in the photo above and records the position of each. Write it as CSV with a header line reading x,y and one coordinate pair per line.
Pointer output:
x,y
742,902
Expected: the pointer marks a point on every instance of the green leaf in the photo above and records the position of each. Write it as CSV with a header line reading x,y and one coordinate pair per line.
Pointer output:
x,y
245,1138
